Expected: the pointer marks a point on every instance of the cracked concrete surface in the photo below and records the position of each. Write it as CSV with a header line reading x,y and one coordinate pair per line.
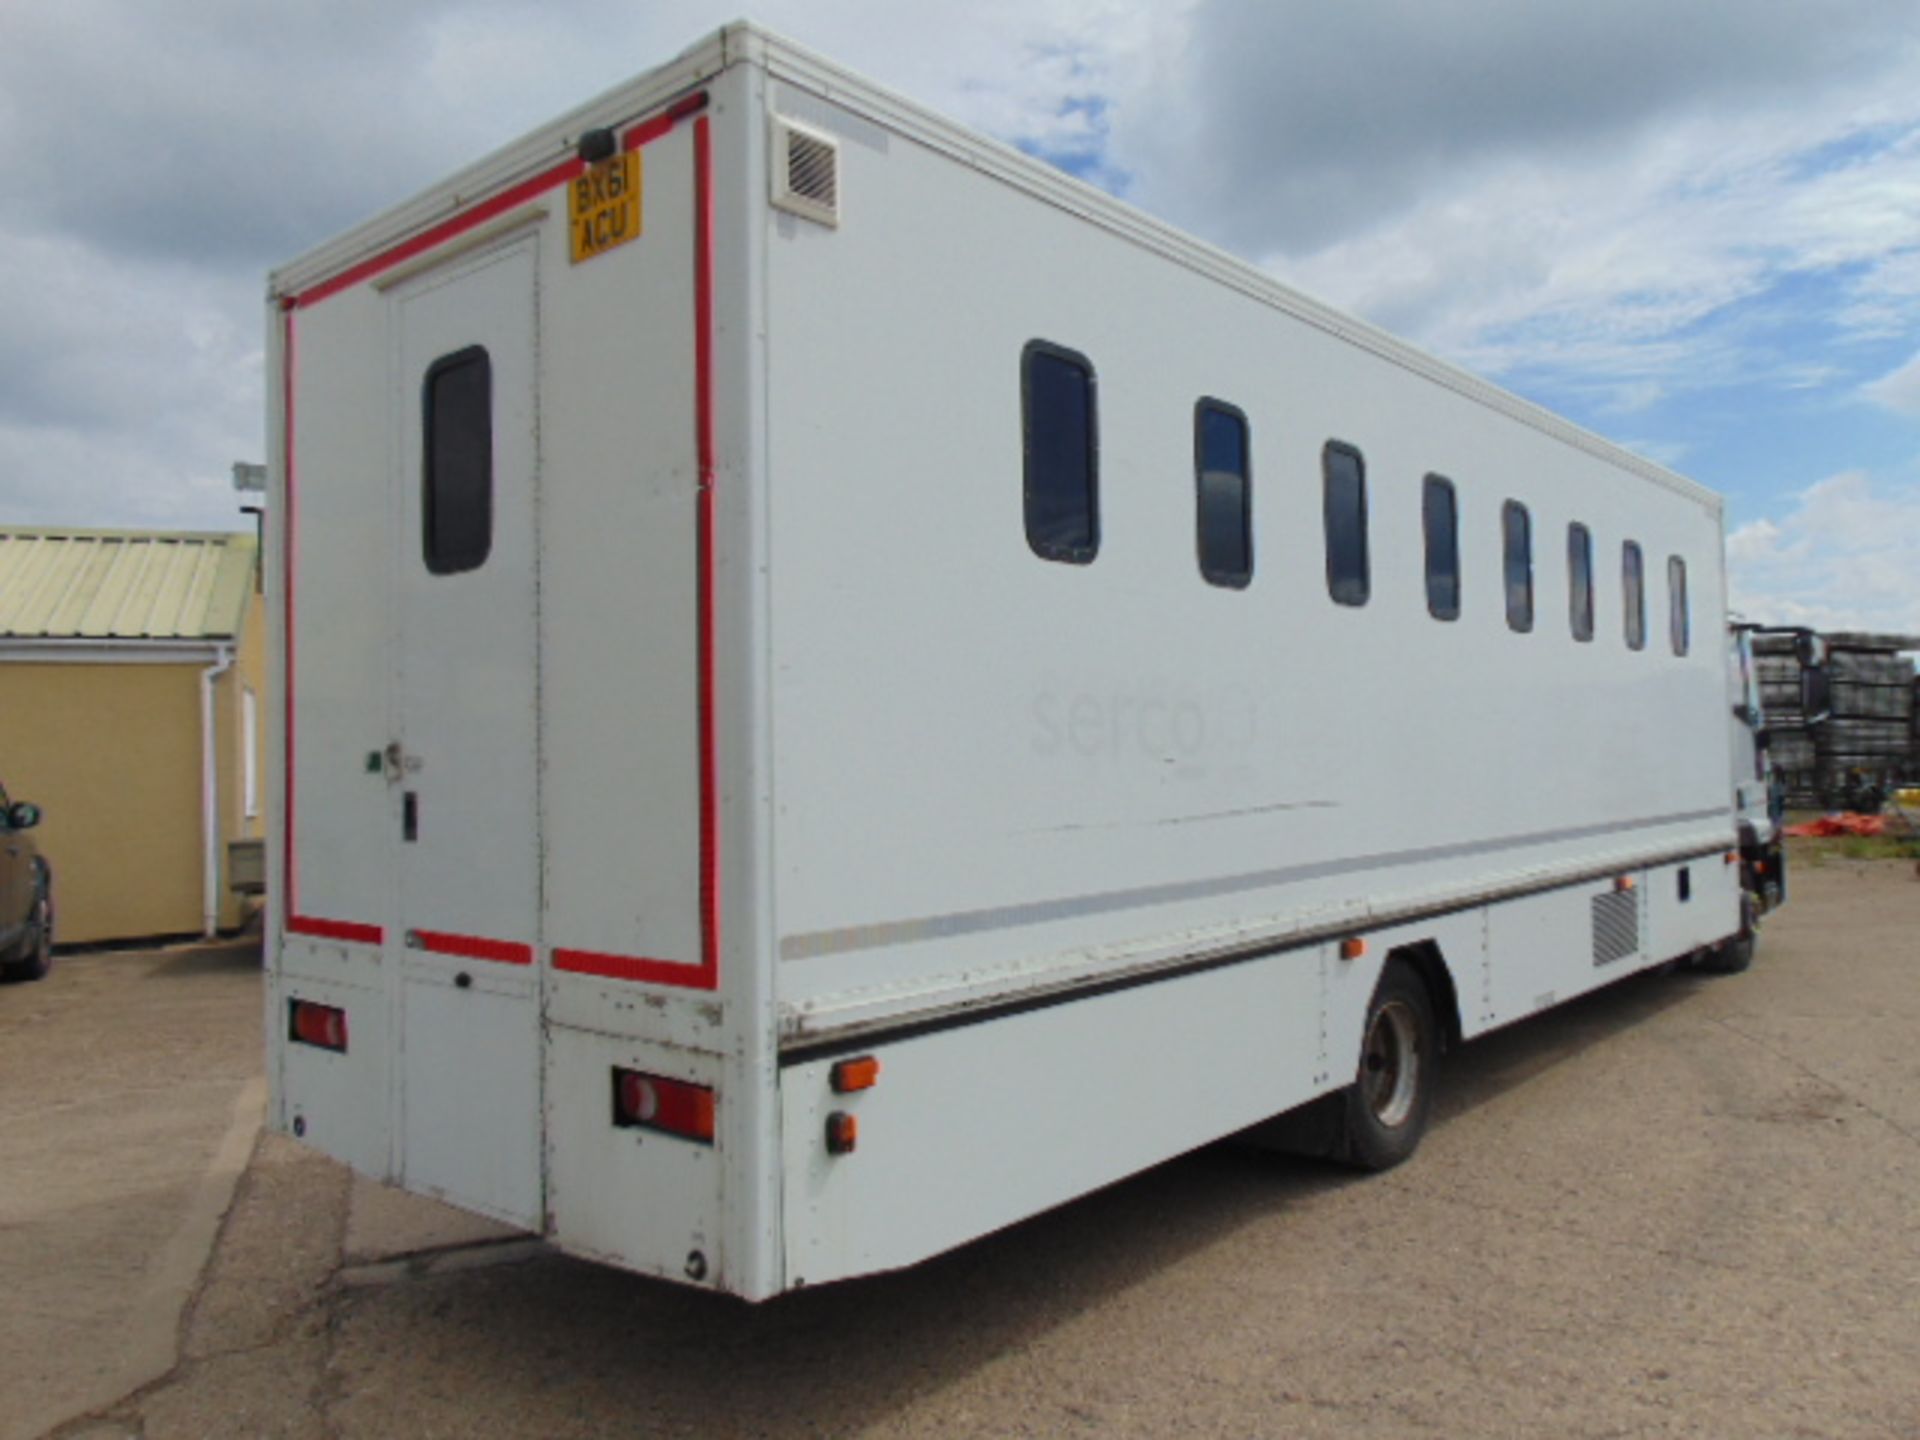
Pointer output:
x,y
1685,1206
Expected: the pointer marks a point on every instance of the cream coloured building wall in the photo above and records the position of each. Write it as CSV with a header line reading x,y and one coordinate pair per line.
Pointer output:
x,y
248,676
105,636
111,753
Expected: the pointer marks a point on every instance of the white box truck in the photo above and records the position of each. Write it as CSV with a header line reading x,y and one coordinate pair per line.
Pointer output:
x,y
839,688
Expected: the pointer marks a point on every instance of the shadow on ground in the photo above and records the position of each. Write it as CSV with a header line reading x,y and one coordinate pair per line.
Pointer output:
x,y
218,957
586,1342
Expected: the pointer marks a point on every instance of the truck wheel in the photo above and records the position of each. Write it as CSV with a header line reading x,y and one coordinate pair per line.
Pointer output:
x,y
36,951
1730,957
1391,1098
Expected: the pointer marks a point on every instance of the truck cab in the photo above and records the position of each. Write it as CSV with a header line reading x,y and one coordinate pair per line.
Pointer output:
x,y
1758,796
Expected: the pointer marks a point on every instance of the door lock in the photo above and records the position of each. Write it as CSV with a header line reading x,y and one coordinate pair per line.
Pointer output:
x,y
398,763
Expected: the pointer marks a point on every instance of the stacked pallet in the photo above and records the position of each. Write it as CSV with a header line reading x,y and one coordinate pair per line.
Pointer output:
x,y
1869,742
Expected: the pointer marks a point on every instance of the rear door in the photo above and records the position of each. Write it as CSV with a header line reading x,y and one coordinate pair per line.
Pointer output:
x,y
462,768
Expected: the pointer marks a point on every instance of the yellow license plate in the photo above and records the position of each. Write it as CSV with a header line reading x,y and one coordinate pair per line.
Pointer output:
x,y
603,206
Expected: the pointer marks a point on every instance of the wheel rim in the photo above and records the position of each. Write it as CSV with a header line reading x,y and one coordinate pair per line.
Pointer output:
x,y
1391,1063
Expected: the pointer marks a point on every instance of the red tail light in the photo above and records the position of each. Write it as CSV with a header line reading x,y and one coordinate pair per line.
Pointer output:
x,y
653,1102
320,1025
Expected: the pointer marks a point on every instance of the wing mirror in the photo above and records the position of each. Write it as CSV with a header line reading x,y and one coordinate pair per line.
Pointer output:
x,y
1816,686
23,816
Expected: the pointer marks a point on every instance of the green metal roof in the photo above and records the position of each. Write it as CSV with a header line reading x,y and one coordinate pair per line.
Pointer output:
x,y
61,583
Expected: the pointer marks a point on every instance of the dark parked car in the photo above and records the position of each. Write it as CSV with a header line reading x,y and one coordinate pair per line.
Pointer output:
x,y
26,895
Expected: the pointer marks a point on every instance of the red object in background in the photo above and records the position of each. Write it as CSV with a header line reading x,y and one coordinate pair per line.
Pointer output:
x,y
1844,824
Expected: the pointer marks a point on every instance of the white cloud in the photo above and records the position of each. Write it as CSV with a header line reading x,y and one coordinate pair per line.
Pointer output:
x,y
1526,187
1583,193
155,161
1846,557
1899,390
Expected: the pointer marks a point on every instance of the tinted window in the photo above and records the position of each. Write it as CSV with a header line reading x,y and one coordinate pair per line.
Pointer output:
x,y
1221,465
1516,536
1632,583
457,506
1062,479
1677,626
1346,513
1580,581
1440,518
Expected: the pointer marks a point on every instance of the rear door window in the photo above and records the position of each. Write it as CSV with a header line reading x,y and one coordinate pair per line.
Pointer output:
x,y
457,426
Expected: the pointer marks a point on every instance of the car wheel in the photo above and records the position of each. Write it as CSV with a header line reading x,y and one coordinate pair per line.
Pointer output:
x,y
36,957
1388,1104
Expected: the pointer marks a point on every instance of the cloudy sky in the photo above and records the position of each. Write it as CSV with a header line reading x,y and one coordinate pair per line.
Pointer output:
x,y
1691,225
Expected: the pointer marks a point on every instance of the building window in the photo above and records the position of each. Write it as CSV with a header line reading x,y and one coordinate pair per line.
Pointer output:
x,y
249,754
1061,451
1345,495
1440,519
1633,587
457,508
1516,533
1222,478
1580,580
1678,627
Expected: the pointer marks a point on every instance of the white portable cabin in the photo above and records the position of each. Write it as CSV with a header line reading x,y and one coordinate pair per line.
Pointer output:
x,y
770,580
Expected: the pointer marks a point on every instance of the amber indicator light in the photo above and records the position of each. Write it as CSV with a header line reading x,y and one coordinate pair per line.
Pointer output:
x,y
843,1133
859,1073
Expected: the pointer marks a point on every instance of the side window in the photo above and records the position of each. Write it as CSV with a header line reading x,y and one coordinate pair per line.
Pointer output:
x,y
1224,490
1516,537
1440,518
457,499
1677,620
1580,580
1345,494
1061,454
1633,587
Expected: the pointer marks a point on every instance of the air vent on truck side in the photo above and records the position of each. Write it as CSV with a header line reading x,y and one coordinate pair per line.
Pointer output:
x,y
1616,925
805,167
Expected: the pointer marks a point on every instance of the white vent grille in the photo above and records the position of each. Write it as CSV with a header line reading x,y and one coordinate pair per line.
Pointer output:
x,y
1616,925
806,172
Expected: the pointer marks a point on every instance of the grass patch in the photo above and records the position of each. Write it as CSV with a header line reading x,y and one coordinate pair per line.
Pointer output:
x,y
1818,850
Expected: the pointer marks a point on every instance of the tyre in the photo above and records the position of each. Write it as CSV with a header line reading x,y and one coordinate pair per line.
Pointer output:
x,y
1730,957
1387,1107
35,957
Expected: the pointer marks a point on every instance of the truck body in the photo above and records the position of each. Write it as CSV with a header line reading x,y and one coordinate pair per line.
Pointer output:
x,y
838,688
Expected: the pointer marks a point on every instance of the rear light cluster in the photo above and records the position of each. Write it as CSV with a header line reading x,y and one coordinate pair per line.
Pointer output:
x,y
653,1102
320,1025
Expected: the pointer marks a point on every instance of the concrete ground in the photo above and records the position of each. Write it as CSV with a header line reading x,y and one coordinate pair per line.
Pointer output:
x,y
1685,1206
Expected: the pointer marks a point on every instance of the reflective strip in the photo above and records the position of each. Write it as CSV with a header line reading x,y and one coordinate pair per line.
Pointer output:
x,y
350,930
